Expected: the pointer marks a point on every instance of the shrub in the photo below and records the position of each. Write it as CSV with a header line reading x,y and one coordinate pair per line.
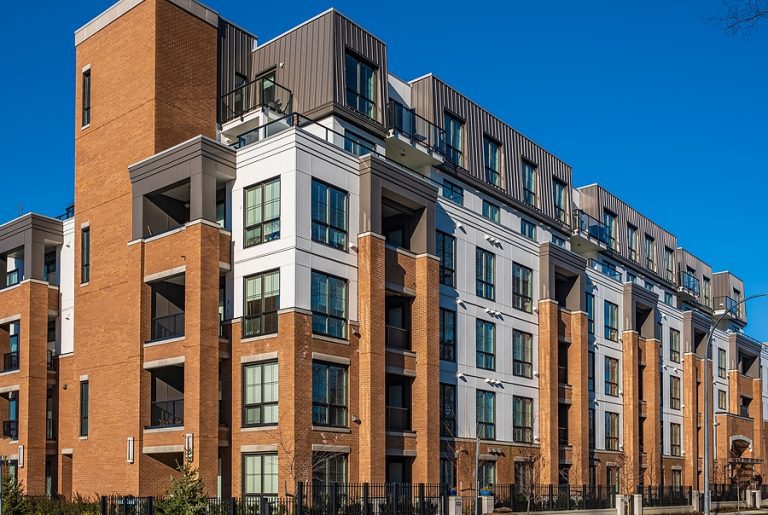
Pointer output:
x,y
185,496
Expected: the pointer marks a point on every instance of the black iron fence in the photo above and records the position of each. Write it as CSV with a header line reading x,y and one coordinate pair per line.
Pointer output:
x,y
666,495
553,497
728,492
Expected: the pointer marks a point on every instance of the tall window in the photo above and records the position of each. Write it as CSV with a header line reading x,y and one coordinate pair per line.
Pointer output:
x,y
260,392
611,431
357,145
86,97
329,469
674,437
261,299
609,220
611,376
669,264
329,215
329,394
706,289
329,305
492,155
446,252
522,419
529,183
491,211
560,200
650,253
447,334
84,390
592,428
361,85
590,313
674,345
721,363
486,415
453,139
522,288
522,354
487,474
591,371
632,242
722,402
260,474
85,255
611,321
448,410
262,212
485,341
528,229
453,192
485,272
674,392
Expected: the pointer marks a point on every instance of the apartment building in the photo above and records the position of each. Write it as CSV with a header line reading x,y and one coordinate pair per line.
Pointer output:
x,y
286,263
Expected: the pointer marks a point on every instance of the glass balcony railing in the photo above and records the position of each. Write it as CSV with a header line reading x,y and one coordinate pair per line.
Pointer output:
x,y
398,338
169,326
261,92
592,228
168,413
605,269
728,304
690,283
419,130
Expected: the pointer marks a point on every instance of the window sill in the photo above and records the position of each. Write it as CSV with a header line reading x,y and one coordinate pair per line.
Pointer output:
x,y
9,372
410,434
249,429
83,127
82,285
258,338
83,437
152,343
331,339
331,429
163,429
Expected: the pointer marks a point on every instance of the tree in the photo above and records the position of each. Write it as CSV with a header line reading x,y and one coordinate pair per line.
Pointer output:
x,y
14,501
532,463
743,15
186,495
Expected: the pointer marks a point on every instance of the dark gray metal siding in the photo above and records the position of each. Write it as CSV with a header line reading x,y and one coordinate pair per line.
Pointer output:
x,y
723,284
234,55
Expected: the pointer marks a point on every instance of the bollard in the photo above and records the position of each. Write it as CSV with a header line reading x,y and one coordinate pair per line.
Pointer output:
x,y
638,504
454,505
487,504
620,506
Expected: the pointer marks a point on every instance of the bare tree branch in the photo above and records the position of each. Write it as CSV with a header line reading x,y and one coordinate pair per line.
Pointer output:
x,y
742,16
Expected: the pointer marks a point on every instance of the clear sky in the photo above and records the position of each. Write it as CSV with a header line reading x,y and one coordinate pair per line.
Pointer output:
x,y
650,99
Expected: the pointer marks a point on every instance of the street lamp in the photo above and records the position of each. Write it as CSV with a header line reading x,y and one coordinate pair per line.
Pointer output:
x,y
707,386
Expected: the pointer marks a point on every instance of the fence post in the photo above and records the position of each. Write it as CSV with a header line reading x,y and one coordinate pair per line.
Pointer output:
x,y
125,505
232,505
334,497
103,505
445,491
422,509
299,498
366,499
263,506
150,505
551,498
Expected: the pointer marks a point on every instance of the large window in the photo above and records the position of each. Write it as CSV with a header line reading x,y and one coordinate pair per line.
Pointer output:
x,y
453,139
448,410
611,321
528,229
650,253
674,392
611,376
260,474
529,183
721,363
611,431
722,402
361,85
357,145
591,371
522,419
453,192
485,339
492,157
329,305
706,290
522,354
447,334
491,211
262,212
486,415
84,393
329,394
86,100
446,251
329,468
632,242
590,313
674,437
260,393
329,215
669,265
522,288
560,200
609,220
674,345
485,272
261,300
85,255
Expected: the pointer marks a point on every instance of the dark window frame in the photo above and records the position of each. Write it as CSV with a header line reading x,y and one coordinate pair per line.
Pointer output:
x,y
611,383
447,348
85,255
520,367
522,433
326,225
492,176
522,300
332,409
611,332
262,475
447,275
264,222
86,98
611,423
455,192
485,281
561,212
530,197
492,209
264,315
84,406
362,104
447,416
674,349
485,359
260,405
328,316
486,429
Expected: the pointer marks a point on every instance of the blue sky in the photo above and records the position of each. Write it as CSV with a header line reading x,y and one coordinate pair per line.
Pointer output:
x,y
648,98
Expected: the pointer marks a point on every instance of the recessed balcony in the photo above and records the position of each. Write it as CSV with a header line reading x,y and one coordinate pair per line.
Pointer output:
x,y
413,140
167,316
689,285
167,405
9,346
589,233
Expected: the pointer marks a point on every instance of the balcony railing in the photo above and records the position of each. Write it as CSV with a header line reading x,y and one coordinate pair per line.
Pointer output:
x,y
168,413
398,419
50,434
261,92
51,360
11,429
592,228
398,338
562,374
419,130
169,326
689,283
605,269
562,435
13,278
10,361
728,304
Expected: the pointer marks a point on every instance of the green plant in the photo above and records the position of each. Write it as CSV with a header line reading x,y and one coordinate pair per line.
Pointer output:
x,y
14,501
185,496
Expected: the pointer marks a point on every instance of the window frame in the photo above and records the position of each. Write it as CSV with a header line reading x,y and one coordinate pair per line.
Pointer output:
x,y
329,406
632,242
454,154
650,252
447,275
85,391
484,427
87,86
522,300
611,365
491,211
522,429
260,405
358,90
611,331
561,211
674,345
590,305
245,456
328,316
485,359
675,439
447,417
485,281
722,363
611,440
445,345
528,229
521,367
455,191
530,196
674,392
326,224
264,315
85,254
492,176
260,225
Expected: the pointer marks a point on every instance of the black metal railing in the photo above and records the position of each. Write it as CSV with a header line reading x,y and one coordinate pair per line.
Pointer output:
x,y
13,278
398,419
416,128
10,361
261,92
592,228
398,338
727,492
728,304
169,326
68,213
168,413
522,498
50,432
655,496
605,269
51,361
11,429
690,283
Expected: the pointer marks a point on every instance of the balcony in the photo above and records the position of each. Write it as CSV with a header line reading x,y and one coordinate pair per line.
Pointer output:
x,y
51,361
398,322
689,285
11,429
727,305
167,401
398,403
167,309
605,269
168,413
398,338
590,232
167,327
50,433
263,92
413,140
398,419
10,361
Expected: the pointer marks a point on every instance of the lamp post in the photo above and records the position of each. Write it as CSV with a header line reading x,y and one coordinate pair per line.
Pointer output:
x,y
707,387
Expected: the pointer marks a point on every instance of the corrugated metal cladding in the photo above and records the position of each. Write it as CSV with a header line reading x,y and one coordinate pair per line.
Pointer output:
x,y
234,55
723,284
431,98
685,259
594,200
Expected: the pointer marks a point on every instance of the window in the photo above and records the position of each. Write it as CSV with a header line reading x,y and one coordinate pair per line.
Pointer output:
x,y
485,272
447,410
361,85
591,371
86,98
611,431
448,472
453,139
721,363
611,376
631,278
632,242
592,429
590,313
707,290
560,200
260,393
329,394
522,419
262,213
328,469
261,299
669,299
611,321
522,354
492,155
674,434
485,342
446,251
669,264
49,268
529,183
453,192
528,229
239,93
524,473
557,240
650,253
522,288
329,215
491,211
85,254
487,474
677,479
329,305
674,392
84,390
260,474
674,345
486,415
447,335
722,402
609,220
357,145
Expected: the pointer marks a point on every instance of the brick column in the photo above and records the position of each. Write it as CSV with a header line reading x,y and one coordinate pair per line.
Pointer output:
x,y
548,394
578,413
630,391
690,419
756,412
652,395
